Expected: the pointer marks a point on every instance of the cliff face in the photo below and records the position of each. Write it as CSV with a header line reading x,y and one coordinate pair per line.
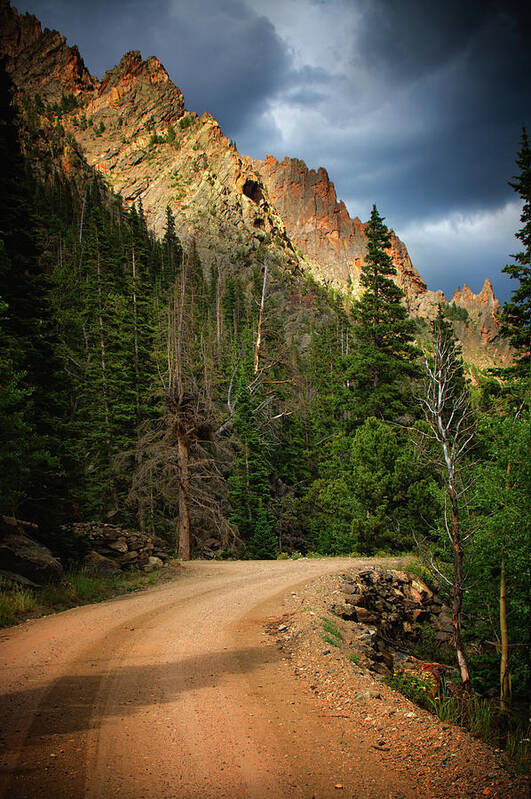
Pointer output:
x,y
334,247
141,138
333,244
134,129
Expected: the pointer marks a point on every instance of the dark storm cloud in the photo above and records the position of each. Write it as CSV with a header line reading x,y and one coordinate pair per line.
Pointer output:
x,y
416,35
464,67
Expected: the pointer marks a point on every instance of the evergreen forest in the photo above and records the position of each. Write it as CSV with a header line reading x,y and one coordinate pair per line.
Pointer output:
x,y
240,411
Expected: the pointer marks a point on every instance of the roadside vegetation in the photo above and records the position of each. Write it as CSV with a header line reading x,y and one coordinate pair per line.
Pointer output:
x,y
18,604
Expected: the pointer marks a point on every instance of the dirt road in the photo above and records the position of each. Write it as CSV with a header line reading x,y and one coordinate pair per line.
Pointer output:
x,y
176,692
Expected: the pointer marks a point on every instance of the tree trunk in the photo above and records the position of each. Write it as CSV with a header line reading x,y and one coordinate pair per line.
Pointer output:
x,y
505,675
183,458
457,598
260,318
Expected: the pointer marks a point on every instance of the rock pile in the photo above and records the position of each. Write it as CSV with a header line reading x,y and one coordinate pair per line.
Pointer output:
x,y
22,559
117,548
386,607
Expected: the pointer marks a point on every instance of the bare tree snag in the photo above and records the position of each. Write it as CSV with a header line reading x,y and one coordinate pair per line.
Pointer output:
x,y
260,319
446,406
183,461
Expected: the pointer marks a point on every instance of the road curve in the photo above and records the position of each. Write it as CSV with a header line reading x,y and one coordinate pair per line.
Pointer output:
x,y
175,692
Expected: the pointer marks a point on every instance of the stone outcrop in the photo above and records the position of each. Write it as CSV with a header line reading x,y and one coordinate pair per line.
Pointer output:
x,y
22,559
386,608
333,244
114,548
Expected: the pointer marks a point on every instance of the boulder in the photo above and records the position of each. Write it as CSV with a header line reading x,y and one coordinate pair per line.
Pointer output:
x,y
99,566
365,616
120,545
153,564
12,580
21,555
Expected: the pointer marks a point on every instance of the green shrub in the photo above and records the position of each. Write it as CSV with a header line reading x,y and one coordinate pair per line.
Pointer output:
x,y
415,686
156,138
171,136
456,313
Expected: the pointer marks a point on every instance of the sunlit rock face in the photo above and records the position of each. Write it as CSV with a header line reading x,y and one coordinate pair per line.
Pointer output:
x,y
333,244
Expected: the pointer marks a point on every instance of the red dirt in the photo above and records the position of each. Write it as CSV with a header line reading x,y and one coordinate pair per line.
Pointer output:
x,y
179,692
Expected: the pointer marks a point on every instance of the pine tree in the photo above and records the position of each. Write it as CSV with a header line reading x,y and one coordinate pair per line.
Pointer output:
x,y
516,314
384,357
172,250
30,441
263,543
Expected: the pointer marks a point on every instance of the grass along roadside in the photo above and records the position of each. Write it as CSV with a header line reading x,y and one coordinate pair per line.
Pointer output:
x,y
479,715
17,604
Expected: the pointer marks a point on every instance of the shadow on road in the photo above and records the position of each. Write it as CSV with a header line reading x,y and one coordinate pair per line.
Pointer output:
x,y
76,703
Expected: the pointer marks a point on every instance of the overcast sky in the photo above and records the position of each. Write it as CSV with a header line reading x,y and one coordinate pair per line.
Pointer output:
x,y
414,105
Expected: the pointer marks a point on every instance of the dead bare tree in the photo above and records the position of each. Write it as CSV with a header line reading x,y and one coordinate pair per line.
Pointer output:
x,y
447,410
177,450
258,344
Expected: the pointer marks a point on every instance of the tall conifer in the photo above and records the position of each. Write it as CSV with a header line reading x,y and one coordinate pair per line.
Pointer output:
x,y
383,356
516,314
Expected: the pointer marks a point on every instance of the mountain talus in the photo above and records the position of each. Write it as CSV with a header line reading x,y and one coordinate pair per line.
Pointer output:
x,y
134,129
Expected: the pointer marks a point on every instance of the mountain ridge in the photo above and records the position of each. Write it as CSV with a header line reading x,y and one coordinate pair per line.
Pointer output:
x,y
134,129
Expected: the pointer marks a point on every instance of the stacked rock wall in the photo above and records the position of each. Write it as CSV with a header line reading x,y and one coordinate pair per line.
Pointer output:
x,y
387,608
116,548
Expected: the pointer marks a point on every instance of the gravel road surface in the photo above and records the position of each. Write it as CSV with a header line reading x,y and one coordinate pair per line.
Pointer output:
x,y
177,692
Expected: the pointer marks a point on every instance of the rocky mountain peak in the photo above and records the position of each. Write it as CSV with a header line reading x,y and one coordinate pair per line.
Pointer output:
x,y
466,298
40,59
132,70
332,242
